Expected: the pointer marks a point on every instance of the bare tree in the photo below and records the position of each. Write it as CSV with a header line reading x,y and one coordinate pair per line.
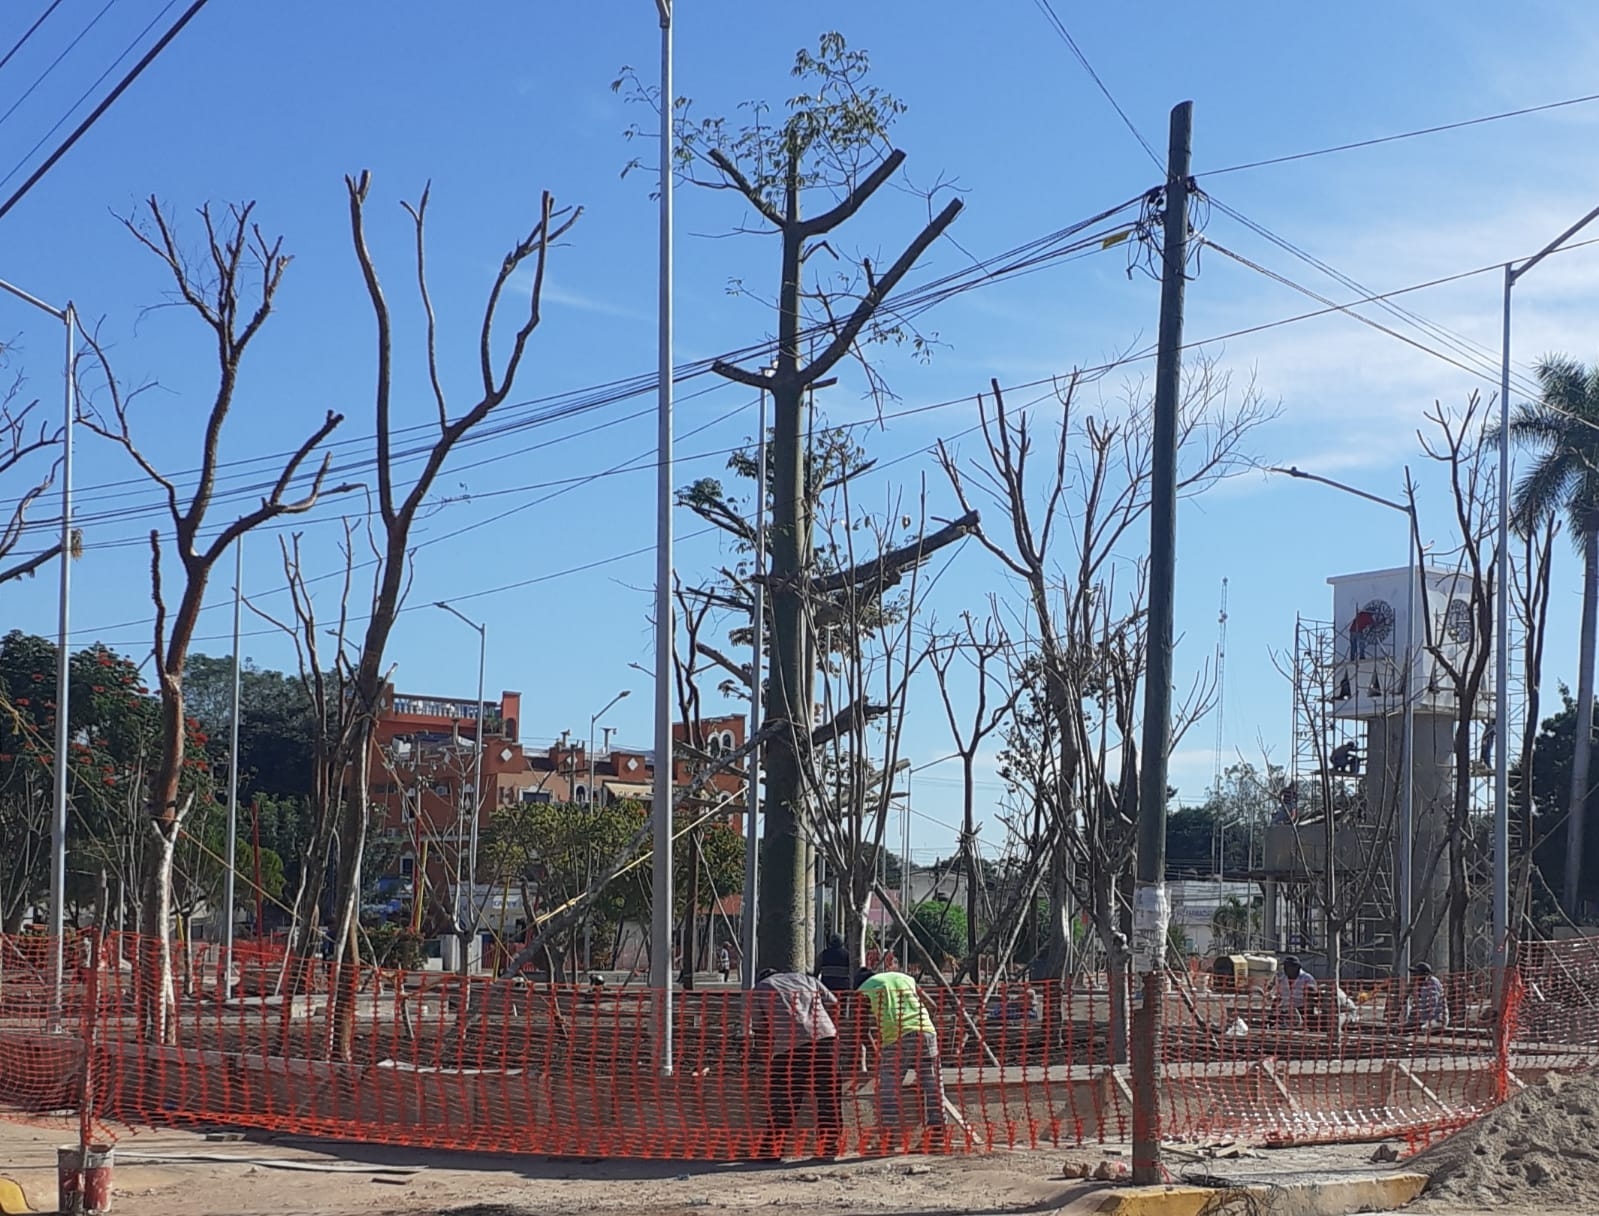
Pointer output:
x,y
343,815
22,440
1065,535
1459,441
231,286
323,660
983,652
866,657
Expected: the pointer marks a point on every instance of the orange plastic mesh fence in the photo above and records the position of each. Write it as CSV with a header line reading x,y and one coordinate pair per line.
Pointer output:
x,y
427,1059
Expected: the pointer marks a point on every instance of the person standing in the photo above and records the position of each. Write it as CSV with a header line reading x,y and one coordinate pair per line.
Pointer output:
x,y
833,967
791,1019
907,1042
724,963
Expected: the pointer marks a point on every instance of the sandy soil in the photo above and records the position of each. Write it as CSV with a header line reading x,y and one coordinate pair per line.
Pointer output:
x,y
174,1173
1540,1150
183,1174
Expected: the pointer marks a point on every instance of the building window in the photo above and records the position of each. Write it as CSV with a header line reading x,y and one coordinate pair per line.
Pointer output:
x,y
578,792
407,867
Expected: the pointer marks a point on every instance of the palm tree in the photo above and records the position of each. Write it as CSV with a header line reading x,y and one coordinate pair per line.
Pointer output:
x,y
1562,429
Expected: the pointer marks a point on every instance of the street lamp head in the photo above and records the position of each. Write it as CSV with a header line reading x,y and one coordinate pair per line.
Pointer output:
x,y
626,692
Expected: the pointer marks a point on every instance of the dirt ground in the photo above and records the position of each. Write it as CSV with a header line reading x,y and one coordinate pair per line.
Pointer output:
x,y
173,1173
1540,1147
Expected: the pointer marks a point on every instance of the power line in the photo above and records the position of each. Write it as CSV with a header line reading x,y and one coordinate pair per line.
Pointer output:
x,y
1045,7
54,63
1033,255
1348,310
911,411
23,41
455,597
122,86
84,96
1467,348
1388,139
1048,382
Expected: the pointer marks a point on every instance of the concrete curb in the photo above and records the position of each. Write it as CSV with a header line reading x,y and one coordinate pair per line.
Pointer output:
x,y
1321,1197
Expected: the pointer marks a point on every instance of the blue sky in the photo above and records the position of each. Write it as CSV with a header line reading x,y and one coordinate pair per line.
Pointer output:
x,y
495,102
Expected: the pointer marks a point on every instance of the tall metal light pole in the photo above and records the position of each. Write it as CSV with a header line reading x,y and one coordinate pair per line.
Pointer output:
x,y
469,924
1405,897
1501,913
58,821
661,804
905,843
752,796
232,845
588,797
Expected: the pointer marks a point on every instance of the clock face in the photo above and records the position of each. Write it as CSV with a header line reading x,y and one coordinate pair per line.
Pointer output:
x,y
1458,623
1380,614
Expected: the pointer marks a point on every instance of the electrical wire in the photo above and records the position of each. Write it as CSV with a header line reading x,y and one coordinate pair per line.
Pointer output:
x,y
1491,377
85,95
1048,9
1027,258
911,411
1048,383
54,63
94,116
1467,348
28,33
1388,139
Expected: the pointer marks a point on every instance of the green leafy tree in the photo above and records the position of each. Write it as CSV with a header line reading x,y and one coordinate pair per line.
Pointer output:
x,y
1561,429
1232,923
551,852
114,727
940,928
1551,786
276,723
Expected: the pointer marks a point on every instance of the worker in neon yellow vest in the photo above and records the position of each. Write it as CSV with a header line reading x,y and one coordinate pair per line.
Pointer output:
x,y
907,1042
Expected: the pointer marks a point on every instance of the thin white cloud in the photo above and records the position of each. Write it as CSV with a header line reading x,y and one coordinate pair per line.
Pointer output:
x,y
586,303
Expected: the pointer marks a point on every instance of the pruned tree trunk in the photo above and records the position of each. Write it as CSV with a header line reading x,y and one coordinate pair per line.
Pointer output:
x,y
1582,749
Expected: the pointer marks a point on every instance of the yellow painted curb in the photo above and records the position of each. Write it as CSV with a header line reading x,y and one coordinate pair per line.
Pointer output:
x,y
12,1201
1324,1197
1157,1201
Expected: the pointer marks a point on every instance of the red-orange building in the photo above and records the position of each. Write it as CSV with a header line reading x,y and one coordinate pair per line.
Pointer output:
x,y
422,769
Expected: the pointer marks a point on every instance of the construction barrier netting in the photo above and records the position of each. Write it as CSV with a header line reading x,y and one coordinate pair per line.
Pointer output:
x,y
434,1060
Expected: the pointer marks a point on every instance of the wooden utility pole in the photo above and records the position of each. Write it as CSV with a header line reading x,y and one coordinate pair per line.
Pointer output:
x,y
1150,909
